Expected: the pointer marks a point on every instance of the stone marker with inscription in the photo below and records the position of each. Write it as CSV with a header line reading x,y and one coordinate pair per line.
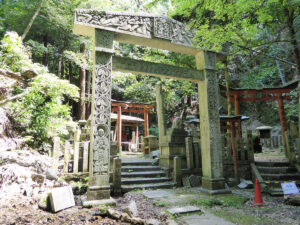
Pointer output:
x,y
61,198
195,181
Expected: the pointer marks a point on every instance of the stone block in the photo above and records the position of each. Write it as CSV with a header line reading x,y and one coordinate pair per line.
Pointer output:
x,y
117,167
177,171
194,181
186,181
61,198
184,209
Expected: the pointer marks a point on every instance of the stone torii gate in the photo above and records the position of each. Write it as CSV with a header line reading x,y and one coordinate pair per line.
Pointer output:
x,y
156,32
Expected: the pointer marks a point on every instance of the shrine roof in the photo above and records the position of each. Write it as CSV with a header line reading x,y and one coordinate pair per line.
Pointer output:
x,y
126,118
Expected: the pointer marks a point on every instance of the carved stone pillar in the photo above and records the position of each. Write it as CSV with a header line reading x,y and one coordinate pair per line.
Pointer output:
x,y
160,111
99,187
212,163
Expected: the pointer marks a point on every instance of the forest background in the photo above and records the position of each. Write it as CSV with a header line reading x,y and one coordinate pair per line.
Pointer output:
x,y
261,39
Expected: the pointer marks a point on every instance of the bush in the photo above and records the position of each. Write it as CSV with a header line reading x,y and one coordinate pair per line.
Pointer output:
x,y
43,110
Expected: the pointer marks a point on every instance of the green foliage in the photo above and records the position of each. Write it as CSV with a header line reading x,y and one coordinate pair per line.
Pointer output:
x,y
41,110
79,59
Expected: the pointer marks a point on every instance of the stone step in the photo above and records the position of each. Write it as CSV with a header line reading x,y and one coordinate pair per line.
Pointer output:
x,y
276,170
143,174
276,192
139,168
138,163
272,164
127,188
144,180
280,177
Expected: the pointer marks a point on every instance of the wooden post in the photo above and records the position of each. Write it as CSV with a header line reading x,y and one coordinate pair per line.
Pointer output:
x,y
282,118
146,124
236,105
119,128
234,153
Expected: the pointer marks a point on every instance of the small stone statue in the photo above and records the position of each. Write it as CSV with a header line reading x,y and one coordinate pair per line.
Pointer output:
x,y
177,123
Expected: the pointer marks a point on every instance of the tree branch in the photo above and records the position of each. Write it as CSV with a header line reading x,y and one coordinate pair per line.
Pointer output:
x,y
3,102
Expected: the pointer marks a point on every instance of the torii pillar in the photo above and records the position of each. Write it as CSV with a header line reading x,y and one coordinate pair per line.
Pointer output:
x,y
213,181
99,187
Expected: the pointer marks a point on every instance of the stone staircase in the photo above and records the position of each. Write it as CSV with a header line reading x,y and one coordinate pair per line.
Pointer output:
x,y
277,171
142,174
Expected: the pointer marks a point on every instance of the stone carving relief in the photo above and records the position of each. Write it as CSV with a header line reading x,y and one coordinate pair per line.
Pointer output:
x,y
130,23
172,30
101,126
136,24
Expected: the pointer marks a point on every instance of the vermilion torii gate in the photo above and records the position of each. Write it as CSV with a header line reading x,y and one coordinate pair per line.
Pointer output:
x,y
156,32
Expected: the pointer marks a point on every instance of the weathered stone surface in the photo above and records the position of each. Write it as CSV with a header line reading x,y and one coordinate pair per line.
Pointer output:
x,y
38,178
117,167
158,194
186,181
206,218
184,209
292,199
177,171
131,209
152,222
51,175
103,202
61,198
194,181
44,202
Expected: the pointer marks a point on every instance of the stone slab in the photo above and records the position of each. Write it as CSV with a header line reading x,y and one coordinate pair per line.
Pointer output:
x,y
94,203
184,209
158,194
186,181
61,198
206,218
194,181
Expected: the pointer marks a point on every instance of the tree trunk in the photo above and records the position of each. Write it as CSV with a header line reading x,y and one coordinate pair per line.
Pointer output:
x,y
290,21
59,66
81,106
70,71
45,55
32,19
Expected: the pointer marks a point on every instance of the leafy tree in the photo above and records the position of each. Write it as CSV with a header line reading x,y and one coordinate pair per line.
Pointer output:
x,y
41,110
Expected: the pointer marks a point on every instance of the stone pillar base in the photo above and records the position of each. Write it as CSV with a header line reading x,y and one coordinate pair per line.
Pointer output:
x,y
99,188
214,186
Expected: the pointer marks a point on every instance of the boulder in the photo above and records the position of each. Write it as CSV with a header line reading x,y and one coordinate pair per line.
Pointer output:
x,y
51,175
131,209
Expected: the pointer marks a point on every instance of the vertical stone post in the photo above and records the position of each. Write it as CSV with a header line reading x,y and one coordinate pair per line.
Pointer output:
x,y
67,156
189,152
249,145
212,163
117,166
85,164
56,150
76,157
177,171
160,111
99,187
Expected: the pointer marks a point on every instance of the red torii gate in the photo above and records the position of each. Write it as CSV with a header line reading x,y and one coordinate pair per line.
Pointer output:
x,y
119,107
265,94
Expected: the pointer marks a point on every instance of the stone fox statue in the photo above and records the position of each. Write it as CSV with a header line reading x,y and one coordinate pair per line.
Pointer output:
x,y
177,123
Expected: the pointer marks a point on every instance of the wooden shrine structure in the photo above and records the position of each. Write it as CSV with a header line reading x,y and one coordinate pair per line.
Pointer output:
x,y
278,94
129,107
